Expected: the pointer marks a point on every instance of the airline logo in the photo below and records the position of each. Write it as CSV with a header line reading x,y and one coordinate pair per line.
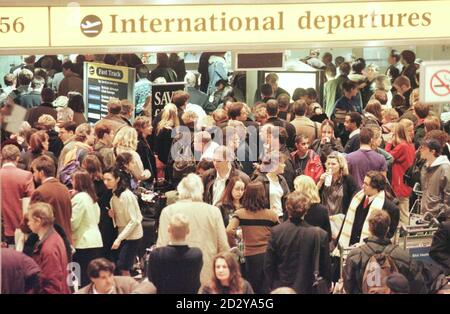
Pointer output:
x,y
91,26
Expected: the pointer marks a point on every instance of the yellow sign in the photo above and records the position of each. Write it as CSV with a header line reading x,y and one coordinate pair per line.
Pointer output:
x,y
24,27
101,71
250,23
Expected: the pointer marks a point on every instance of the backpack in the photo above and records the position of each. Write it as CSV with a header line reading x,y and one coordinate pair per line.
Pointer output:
x,y
378,268
65,175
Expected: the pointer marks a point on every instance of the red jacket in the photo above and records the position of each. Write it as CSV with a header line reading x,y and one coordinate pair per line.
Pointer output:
x,y
404,155
51,255
15,184
314,168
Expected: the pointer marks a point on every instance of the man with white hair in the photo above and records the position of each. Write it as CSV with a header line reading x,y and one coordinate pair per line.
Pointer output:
x,y
207,231
196,96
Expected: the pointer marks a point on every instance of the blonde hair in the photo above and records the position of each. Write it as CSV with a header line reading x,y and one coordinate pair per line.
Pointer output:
x,y
391,113
408,124
169,118
43,211
126,137
47,120
341,161
189,117
10,152
383,82
414,97
307,186
179,226
82,132
191,187
401,133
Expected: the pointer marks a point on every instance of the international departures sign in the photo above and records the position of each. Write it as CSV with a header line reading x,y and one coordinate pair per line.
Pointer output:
x,y
221,24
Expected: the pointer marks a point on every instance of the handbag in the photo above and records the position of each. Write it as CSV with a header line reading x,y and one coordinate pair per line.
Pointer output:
x,y
320,285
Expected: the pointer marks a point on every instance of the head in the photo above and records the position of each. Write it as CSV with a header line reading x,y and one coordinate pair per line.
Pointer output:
x,y
344,68
337,165
40,217
407,57
178,228
409,127
358,66
104,132
226,272
126,108
39,142
284,100
266,91
189,119
383,82
203,166
374,107
64,115
302,144
85,133
117,179
300,107
67,131
381,96
180,99
68,68
366,136
10,153
327,58
353,121
162,59
441,136
299,93
201,140
126,137
9,79
234,191
402,84
308,187
169,118
261,115
76,103
339,60
272,80
254,198
220,116
235,111
377,138
430,149
330,71
421,110
24,77
379,222
432,123
311,96
47,122
191,187
114,106
394,57
350,88
401,134
297,205
390,115
374,183
327,129
142,71
43,167
93,165
143,126
397,284
222,158
372,71
101,273
82,182
190,79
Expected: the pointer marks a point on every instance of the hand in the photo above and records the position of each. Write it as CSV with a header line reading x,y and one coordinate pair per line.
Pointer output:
x,y
323,176
111,213
146,174
116,245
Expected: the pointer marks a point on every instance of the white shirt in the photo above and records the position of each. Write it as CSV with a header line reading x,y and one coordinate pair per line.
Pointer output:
x,y
219,186
275,195
10,164
96,292
209,152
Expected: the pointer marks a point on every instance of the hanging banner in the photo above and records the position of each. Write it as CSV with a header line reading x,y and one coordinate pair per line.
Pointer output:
x,y
250,23
162,94
24,27
103,82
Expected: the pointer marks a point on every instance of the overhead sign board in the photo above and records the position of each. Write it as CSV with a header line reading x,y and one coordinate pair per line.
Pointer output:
x,y
103,82
435,82
24,27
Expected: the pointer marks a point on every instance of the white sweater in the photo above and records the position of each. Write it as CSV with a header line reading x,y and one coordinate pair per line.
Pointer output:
x,y
84,221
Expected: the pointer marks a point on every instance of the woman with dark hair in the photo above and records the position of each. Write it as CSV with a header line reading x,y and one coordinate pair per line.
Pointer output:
x,y
177,64
226,277
84,222
93,166
232,198
38,146
328,142
409,69
76,103
126,215
256,222
372,113
144,129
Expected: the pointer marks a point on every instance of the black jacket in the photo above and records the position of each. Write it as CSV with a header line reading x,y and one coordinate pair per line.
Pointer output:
x,y
349,189
323,150
317,216
262,177
352,144
440,247
357,259
210,176
167,73
147,156
175,269
289,260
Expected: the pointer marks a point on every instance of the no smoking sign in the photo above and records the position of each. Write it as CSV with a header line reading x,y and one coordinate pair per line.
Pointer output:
x,y
435,82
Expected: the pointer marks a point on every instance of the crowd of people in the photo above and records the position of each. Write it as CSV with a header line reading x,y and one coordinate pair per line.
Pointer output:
x,y
216,196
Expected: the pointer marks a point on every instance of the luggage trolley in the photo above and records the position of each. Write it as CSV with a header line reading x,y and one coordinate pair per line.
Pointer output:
x,y
417,240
